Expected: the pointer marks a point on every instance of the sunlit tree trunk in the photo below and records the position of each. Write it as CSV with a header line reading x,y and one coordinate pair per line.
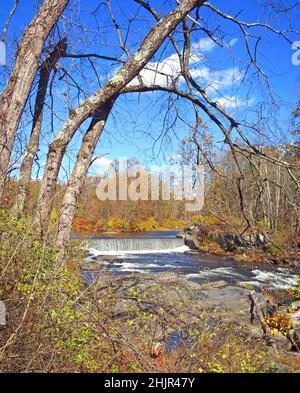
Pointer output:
x,y
33,144
15,95
78,176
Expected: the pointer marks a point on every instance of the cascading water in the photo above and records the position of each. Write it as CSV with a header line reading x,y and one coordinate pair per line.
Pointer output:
x,y
117,245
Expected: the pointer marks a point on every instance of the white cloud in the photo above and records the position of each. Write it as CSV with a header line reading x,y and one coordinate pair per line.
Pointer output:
x,y
233,42
213,81
233,102
162,73
198,49
101,165
166,71
217,80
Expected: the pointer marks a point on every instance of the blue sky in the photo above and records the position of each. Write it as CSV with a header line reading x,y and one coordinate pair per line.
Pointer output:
x,y
137,120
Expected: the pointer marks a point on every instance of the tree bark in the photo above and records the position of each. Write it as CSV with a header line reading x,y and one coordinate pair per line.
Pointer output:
x,y
15,95
33,145
126,73
78,176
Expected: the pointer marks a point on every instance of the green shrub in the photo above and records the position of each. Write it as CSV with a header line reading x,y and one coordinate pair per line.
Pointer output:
x,y
42,300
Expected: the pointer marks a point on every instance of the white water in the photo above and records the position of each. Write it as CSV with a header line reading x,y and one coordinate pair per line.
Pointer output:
x,y
220,271
279,278
116,246
97,252
155,255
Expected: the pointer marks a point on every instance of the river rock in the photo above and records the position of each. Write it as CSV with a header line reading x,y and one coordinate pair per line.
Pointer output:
x,y
90,265
189,230
245,285
229,242
233,300
217,285
155,306
2,314
295,319
263,305
196,234
193,236
282,343
294,335
192,242
169,277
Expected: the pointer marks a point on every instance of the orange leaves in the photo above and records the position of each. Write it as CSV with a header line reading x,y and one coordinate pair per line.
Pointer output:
x,y
115,224
279,322
83,225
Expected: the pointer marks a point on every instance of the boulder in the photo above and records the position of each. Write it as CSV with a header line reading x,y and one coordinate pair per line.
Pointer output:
x,y
193,236
189,230
232,300
192,242
264,307
260,240
230,242
282,343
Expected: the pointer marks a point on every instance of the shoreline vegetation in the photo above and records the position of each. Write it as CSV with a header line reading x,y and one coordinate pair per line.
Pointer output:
x,y
133,323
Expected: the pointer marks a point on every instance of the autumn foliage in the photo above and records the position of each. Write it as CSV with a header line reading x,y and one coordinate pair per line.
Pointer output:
x,y
84,225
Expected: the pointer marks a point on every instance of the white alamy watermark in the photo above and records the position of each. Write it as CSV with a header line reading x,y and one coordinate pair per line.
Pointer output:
x,y
296,55
2,53
126,181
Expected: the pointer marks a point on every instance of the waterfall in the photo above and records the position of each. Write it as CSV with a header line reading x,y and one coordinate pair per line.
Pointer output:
x,y
116,245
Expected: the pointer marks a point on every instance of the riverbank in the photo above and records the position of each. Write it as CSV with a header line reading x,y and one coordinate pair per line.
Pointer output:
x,y
55,322
173,313
219,239
174,318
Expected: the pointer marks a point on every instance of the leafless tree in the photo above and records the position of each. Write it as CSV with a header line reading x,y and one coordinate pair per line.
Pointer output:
x,y
15,95
124,75
33,144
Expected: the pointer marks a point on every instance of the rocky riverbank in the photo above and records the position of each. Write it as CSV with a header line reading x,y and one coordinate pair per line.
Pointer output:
x,y
249,248
167,309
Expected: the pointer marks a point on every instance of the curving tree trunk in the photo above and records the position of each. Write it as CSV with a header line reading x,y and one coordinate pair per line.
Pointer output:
x,y
78,176
15,95
126,74
33,145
